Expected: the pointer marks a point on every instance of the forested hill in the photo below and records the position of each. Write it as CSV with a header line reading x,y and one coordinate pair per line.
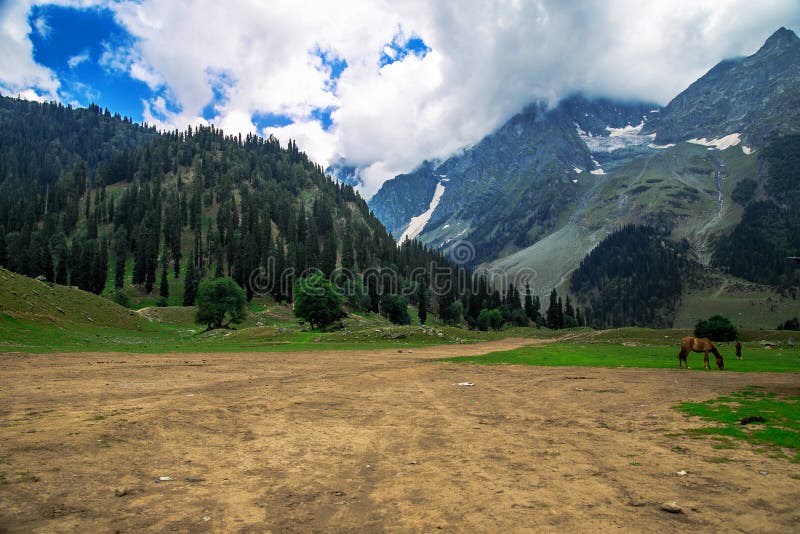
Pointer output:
x,y
93,200
633,277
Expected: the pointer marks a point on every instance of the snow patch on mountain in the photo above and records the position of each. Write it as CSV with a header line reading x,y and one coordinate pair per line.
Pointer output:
x,y
721,143
417,223
599,170
617,138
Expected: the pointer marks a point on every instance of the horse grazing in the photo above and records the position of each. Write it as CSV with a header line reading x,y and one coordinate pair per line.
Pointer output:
x,y
698,344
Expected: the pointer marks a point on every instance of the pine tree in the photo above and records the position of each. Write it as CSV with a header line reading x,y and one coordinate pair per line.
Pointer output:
x,y
328,256
3,254
422,304
120,256
529,303
552,311
101,268
46,261
190,282
163,289
560,313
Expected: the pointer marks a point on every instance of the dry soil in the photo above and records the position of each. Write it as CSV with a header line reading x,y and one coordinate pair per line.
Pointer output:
x,y
372,440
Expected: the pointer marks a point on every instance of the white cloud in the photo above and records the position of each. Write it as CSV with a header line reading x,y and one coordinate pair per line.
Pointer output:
x,y
41,26
19,73
488,60
76,60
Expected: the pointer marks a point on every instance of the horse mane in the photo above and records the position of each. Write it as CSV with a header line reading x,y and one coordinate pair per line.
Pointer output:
x,y
714,350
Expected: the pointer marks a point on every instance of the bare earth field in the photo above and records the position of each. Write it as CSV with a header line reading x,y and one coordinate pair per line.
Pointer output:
x,y
372,440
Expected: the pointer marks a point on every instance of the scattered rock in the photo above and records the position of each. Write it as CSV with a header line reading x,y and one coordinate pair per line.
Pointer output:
x,y
121,491
636,501
163,479
765,473
206,518
465,384
671,507
413,462
195,479
682,473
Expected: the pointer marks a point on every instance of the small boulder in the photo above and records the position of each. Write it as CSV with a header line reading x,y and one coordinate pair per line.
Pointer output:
x,y
671,507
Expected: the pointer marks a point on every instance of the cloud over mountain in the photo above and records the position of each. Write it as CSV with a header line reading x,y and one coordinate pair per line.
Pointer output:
x,y
383,85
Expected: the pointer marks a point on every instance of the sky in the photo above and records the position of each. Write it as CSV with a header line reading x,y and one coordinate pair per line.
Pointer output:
x,y
378,85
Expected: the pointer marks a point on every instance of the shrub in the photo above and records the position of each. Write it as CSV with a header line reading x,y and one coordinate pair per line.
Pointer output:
x,y
489,319
452,314
121,298
716,328
395,308
218,299
162,302
317,301
790,324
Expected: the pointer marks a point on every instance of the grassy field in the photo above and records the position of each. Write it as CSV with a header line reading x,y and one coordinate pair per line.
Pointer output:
x,y
780,428
756,358
40,317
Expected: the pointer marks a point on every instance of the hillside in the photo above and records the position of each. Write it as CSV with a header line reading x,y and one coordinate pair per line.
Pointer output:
x,y
26,299
153,216
755,97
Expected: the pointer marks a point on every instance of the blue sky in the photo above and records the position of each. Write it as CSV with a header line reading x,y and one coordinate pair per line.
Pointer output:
x,y
375,85
73,45
79,44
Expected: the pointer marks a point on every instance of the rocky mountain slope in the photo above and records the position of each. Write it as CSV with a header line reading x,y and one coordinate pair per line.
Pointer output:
x,y
545,188
756,97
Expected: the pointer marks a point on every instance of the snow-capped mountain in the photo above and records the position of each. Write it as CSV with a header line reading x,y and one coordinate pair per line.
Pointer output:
x,y
544,188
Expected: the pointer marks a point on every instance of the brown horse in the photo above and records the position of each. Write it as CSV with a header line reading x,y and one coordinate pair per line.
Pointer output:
x,y
738,350
698,344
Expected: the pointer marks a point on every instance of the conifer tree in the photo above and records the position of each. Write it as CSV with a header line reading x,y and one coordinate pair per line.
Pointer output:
x,y
529,303
163,289
190,282
552,311
3,256
422,304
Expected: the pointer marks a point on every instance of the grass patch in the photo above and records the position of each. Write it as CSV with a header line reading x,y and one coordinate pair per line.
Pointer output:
x,y
781,430
652,357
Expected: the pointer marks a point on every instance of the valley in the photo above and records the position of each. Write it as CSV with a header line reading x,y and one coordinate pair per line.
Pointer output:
x,y
399,267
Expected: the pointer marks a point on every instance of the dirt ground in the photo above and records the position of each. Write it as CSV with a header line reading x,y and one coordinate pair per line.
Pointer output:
x,y
371,441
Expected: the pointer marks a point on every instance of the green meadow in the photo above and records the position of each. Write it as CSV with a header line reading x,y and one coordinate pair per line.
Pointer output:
x,y
604,354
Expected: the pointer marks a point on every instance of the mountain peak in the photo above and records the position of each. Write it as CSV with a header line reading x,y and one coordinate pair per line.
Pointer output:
x,y
782,39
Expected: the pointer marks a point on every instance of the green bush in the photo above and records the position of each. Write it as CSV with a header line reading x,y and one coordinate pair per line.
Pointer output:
x,y
395,308
219,299
121,298
716,328
162,302
317,301
489,319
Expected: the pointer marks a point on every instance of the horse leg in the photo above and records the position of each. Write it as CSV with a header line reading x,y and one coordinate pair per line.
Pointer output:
x,y
705,361
682,359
